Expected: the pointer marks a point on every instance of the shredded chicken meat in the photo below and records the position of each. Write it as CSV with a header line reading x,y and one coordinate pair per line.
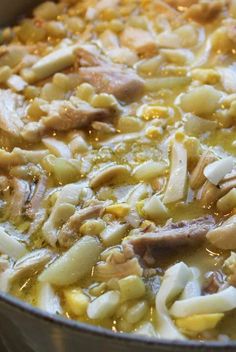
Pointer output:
x,y
110,78
12,112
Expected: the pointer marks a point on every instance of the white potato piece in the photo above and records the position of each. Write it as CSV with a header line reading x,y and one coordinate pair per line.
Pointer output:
x,y
11,246
74,264
104,306
217,170
149,169
203,100
219,302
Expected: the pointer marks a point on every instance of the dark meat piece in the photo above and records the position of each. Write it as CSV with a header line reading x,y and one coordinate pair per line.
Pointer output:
x,y
183,233
110,78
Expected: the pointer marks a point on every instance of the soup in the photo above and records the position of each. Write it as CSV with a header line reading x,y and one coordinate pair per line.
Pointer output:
x,y
118,177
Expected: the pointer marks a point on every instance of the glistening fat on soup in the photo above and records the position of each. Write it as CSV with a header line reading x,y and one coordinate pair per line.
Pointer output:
x,y
117,161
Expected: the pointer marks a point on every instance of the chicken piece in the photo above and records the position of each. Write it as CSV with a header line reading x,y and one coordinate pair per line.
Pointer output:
x,y
109,78
172,235
69,197
20,156
39,219
4,183
204,12
12,110
69,231
21,192
34,131
103,127
197,177
210,194
34,204
139,40
62,115
65,115
118,264
31,263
